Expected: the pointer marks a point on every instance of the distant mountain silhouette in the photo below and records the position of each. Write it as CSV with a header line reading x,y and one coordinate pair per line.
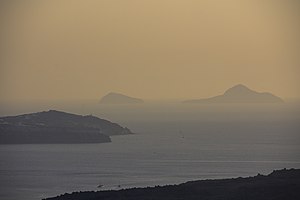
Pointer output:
x,y
57,127
117,98
240,94
279,185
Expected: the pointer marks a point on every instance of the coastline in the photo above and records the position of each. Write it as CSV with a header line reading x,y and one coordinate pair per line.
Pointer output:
x,y
280,184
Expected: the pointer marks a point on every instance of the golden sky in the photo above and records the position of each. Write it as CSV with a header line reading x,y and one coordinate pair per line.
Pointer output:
x,y
152,49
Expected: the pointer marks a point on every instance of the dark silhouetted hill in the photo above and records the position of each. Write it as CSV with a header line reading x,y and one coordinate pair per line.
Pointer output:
x,y
116,98
279,185
57,127
240,94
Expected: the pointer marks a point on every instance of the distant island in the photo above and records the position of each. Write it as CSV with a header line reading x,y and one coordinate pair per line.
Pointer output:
x,y
240,94
279,185
117,98
57,127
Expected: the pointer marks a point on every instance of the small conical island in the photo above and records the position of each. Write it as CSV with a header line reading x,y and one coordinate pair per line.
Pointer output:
x,y
240,94
117,98
53,126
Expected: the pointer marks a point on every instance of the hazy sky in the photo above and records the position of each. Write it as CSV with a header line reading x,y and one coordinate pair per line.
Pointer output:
x,y
153,49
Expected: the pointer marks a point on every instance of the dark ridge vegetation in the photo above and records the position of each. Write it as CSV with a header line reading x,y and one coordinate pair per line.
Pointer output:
x,y
279,185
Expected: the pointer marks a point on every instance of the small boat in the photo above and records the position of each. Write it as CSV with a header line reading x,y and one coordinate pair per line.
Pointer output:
x,y
100,186
180,133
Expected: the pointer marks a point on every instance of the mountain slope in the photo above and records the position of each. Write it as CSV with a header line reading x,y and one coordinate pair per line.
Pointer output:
x,y
117,98
57,127
240,94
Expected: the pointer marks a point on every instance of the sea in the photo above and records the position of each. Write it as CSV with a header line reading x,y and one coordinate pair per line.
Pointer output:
x,y
172,143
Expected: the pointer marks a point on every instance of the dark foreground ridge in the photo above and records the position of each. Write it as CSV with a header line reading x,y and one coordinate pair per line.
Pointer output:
x,y
279,185
57,127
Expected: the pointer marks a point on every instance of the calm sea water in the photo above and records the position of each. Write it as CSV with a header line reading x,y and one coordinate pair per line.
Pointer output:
x,y
170,146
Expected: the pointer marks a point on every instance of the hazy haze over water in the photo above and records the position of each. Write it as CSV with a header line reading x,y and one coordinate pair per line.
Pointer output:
x,y
174,142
